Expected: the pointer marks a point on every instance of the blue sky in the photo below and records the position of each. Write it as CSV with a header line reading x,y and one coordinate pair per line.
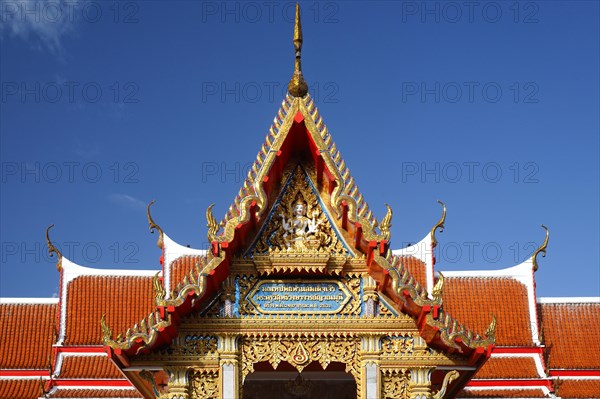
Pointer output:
x,y
492,107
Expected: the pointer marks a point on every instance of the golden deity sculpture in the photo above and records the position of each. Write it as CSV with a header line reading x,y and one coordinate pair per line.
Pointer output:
x,y
298,223
300,231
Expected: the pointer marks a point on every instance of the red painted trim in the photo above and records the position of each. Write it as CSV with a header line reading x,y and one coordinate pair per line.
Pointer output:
x,y
575,373
298,117
519,350
24,373
516,383
92,383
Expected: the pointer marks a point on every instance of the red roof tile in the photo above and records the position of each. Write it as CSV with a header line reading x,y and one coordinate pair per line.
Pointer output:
x,y
124,299
28,332
501,393
180,268
570,332
416,268
89,367
473,301
579,388
508,367
96,393
20,389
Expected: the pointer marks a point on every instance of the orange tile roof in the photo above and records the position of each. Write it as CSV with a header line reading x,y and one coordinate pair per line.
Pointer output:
x,y
89,367
570,332
96,393
579,388
416,268
124,299
28,332
508,367
20,389
501,393
181,267
473,300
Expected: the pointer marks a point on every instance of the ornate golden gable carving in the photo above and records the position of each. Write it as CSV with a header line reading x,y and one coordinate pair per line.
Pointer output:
x,y
299,235
298,223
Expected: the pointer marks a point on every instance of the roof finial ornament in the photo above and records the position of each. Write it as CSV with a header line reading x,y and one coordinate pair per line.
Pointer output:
x,y
438,290
211,223
106,331
153,226
297,86
386,223
439,224
542,248
490,332
53,249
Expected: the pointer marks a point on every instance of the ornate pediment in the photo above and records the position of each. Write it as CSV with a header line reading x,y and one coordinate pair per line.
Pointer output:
x,y
299,234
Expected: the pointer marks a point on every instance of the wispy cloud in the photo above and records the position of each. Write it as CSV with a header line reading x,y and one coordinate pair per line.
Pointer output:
x,y
127,201
42,23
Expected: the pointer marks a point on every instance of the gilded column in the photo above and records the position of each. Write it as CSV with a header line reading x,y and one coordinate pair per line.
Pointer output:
x,y
228,297
370,296
179,383
229,376
370,373
420,383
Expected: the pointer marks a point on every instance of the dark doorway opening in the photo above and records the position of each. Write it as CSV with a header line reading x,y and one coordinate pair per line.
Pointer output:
x,y
286,383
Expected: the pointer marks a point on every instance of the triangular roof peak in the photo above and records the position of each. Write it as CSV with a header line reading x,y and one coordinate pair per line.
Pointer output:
x,y
298,125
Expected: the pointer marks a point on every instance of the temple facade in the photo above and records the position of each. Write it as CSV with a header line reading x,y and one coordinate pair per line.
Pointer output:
x,y
299,296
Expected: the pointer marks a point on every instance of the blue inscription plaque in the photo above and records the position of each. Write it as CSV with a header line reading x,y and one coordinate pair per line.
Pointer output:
x,y
298,296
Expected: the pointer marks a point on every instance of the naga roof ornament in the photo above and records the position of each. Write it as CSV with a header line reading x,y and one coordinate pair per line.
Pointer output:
x,y
153,226
438,225
52,249
542,248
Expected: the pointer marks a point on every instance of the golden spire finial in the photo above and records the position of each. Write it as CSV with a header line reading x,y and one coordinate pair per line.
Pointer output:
x,y
297,86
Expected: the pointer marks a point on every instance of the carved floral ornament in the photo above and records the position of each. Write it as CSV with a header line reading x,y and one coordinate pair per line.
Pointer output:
x,y
205,384
299,352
